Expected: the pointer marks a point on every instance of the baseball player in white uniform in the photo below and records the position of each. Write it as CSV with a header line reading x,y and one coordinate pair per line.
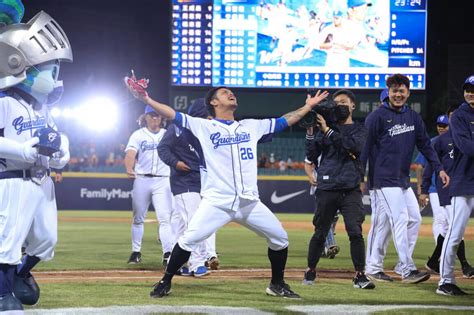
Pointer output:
x,y
151,185
28,213
229,182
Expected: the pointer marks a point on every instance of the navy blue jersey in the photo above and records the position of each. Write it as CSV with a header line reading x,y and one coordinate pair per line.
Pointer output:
x,y
180,144
461,128
393,135
444,147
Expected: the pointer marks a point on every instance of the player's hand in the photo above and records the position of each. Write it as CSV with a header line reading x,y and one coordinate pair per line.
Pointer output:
x,y
362,187
322,123
312,180
130,174
61,158
316,99
444,178
58,178
137,87
423,199
181,166
30,153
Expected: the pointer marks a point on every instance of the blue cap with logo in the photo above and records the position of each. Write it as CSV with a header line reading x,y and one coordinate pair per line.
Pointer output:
x,y
384,95
442,120
469,82
149,109
357,3
337,13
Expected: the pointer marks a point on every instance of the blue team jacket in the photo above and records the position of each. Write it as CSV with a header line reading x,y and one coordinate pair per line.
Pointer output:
x,y
444,147
461,128
179,144
392,135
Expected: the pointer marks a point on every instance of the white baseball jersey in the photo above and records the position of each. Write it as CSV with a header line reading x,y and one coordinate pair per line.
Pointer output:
x,y
19,122
145,142
229,151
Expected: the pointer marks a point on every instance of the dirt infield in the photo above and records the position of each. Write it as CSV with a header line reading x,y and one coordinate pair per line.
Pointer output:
x,y
225,274
425,229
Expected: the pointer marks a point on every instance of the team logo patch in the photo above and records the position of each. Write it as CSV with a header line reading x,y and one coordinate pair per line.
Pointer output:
x,y
399,129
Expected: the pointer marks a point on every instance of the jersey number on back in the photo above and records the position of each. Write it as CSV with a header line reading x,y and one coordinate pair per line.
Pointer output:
x,y
246,154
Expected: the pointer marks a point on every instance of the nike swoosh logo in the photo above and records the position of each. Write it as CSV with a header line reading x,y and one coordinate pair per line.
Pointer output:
x,y
279,199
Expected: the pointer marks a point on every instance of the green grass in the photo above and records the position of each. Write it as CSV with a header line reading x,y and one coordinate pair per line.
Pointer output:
x,y
106,245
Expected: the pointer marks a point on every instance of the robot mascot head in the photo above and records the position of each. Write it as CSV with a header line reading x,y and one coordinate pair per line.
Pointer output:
x,y
30,53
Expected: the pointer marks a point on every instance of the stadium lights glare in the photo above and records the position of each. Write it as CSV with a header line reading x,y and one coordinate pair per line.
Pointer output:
x,y
99,114
55,112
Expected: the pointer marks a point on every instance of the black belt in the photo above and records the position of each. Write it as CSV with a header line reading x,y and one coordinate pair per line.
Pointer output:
x,y
25,174
151,175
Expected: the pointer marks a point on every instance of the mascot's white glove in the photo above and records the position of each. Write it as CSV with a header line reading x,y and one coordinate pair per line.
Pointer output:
x,y
61,158
25,152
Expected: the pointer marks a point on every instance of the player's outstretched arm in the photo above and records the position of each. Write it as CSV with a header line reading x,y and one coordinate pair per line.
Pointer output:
x,y
138,89
295,116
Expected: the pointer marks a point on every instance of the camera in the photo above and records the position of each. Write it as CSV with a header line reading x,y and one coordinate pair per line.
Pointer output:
x,y
326,108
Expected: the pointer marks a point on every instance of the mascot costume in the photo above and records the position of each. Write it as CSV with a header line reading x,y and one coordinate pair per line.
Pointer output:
x,y
30,55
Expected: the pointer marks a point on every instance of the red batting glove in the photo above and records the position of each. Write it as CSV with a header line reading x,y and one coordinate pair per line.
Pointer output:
x,y
137,87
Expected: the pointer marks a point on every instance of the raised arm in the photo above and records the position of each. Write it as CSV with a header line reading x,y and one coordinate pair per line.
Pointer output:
x,y
311,101
138,89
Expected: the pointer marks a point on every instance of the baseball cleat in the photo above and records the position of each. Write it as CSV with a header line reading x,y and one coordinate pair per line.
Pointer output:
x,y
432,266
135,258
213,263
161,289
416,276
201,271
380,276
468,272
26,289
282,290
450,290
309,276
361,281
9,304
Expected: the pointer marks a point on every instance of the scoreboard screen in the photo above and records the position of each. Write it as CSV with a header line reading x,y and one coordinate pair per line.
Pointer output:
x,y
297,43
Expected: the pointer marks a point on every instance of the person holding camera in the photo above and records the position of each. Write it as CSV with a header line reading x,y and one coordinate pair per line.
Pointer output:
x,y
339,141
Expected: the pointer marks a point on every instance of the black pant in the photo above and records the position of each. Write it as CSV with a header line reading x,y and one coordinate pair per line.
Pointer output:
x,y
349,203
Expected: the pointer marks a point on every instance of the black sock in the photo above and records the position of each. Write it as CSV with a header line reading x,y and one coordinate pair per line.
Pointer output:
x,y
462,254
278,262
6,279
437,251
178,258
27,263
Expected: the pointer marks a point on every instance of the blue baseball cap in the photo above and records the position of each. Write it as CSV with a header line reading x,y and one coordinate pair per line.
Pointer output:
x,y
469,81
337,13
442,120
357,3
149,109
384,95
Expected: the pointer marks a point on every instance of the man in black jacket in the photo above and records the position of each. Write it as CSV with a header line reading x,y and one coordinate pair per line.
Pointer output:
x,y
338,180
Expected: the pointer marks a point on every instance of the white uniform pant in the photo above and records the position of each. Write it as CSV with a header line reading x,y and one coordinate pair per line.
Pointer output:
x,y
252,214
440,217
404,216
156,190
379,236
28,215
458,218
186,206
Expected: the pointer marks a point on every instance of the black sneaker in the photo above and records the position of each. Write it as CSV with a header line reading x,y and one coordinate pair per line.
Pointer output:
x,y
361,281
416,276
450,289
281,289
432,266
161,289
135,258
467,271
380,276
309,276
26,289
166,258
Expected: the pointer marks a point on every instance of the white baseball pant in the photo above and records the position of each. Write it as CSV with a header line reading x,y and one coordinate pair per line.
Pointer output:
x,y
404,216
458,218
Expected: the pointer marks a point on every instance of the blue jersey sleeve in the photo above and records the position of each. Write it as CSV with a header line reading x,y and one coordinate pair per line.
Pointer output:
x,y
178,119
280,124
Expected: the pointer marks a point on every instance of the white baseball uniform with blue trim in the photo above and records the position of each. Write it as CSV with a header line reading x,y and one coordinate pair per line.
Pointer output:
x,y
28,213
151,185
229,182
